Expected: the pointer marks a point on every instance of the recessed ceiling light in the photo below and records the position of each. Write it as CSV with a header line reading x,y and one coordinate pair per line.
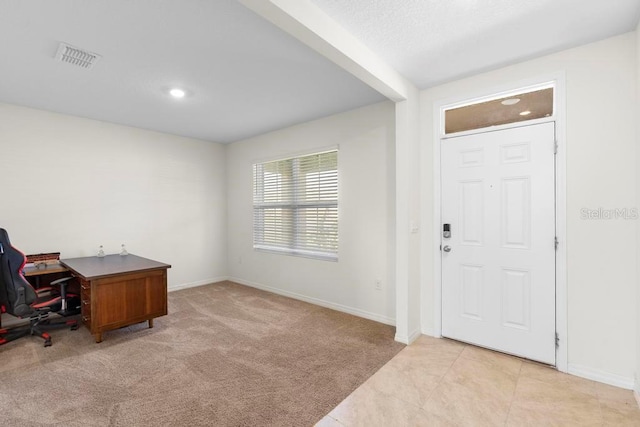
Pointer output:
x,y
510,101
177,93
525,113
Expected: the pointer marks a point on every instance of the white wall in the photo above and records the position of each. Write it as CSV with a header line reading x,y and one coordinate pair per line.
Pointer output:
x,y
71,184
601,171
637,385
407,219
366,170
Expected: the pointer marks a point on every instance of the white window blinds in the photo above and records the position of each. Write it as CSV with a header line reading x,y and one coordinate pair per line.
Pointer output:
x,y
295,205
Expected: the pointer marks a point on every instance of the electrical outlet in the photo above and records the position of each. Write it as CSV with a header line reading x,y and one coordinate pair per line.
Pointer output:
x,y
377,284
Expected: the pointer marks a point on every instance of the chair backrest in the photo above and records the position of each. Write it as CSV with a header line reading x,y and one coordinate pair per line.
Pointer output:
x,y
14,288
4,298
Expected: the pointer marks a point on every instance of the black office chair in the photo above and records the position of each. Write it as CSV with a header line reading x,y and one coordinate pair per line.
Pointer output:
x,y
20,299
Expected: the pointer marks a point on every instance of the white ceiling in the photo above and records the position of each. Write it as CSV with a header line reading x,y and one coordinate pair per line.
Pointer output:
x,y
244,76
434,41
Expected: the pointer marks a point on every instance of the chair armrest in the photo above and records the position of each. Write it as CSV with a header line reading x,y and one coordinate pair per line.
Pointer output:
x,y
45,290
61,281
63,287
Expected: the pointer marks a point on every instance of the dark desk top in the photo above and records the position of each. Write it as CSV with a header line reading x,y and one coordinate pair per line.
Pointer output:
x,y
94,267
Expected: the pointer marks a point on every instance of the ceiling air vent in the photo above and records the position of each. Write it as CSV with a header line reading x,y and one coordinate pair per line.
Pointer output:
x,y
76,56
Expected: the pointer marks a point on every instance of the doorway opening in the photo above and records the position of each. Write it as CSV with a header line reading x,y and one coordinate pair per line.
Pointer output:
x,y
541,101
498,231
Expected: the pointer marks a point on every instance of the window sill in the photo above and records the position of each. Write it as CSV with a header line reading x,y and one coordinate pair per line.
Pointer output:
x,y
298,253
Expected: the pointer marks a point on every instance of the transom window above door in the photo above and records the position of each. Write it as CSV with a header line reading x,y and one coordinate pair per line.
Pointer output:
x,y
518,107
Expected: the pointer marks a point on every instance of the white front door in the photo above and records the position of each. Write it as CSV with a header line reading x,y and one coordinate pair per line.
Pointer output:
x,y
498,265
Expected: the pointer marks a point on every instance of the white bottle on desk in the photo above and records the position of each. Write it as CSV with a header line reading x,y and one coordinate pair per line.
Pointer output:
x,y
100,252
123,251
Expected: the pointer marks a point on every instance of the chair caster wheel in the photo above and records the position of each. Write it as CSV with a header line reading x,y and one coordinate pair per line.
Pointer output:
x,y
74,327
47,342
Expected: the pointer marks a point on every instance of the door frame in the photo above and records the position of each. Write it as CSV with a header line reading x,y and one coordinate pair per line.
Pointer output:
x,y
559,117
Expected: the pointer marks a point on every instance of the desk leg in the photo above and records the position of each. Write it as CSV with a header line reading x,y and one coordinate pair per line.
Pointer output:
x,y
98,337
150,323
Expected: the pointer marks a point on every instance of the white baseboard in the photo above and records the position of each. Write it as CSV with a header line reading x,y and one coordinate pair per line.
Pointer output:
x,y
195,284
328,304
429,332
601,376
408,339
414,335
404,339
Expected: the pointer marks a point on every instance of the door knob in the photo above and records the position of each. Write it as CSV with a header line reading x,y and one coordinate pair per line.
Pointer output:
x,y
446,248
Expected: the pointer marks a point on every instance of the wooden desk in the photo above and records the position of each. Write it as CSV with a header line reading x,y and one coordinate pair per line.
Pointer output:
x,y
54,271
118,291
45,269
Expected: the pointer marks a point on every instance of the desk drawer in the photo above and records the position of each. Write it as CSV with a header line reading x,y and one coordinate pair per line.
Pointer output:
x,y
85,288
85,302
86,311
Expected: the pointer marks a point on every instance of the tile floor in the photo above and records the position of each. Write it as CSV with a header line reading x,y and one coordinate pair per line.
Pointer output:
x,y
439,382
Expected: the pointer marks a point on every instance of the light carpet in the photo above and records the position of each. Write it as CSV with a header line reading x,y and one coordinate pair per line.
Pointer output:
x,y
226,355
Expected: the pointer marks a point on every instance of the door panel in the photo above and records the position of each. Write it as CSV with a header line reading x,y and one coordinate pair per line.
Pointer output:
x,y
472,291
498,280
515,218
472,200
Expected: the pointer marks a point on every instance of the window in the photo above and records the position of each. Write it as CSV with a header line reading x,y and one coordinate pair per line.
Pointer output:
x,y
515,108
295,205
